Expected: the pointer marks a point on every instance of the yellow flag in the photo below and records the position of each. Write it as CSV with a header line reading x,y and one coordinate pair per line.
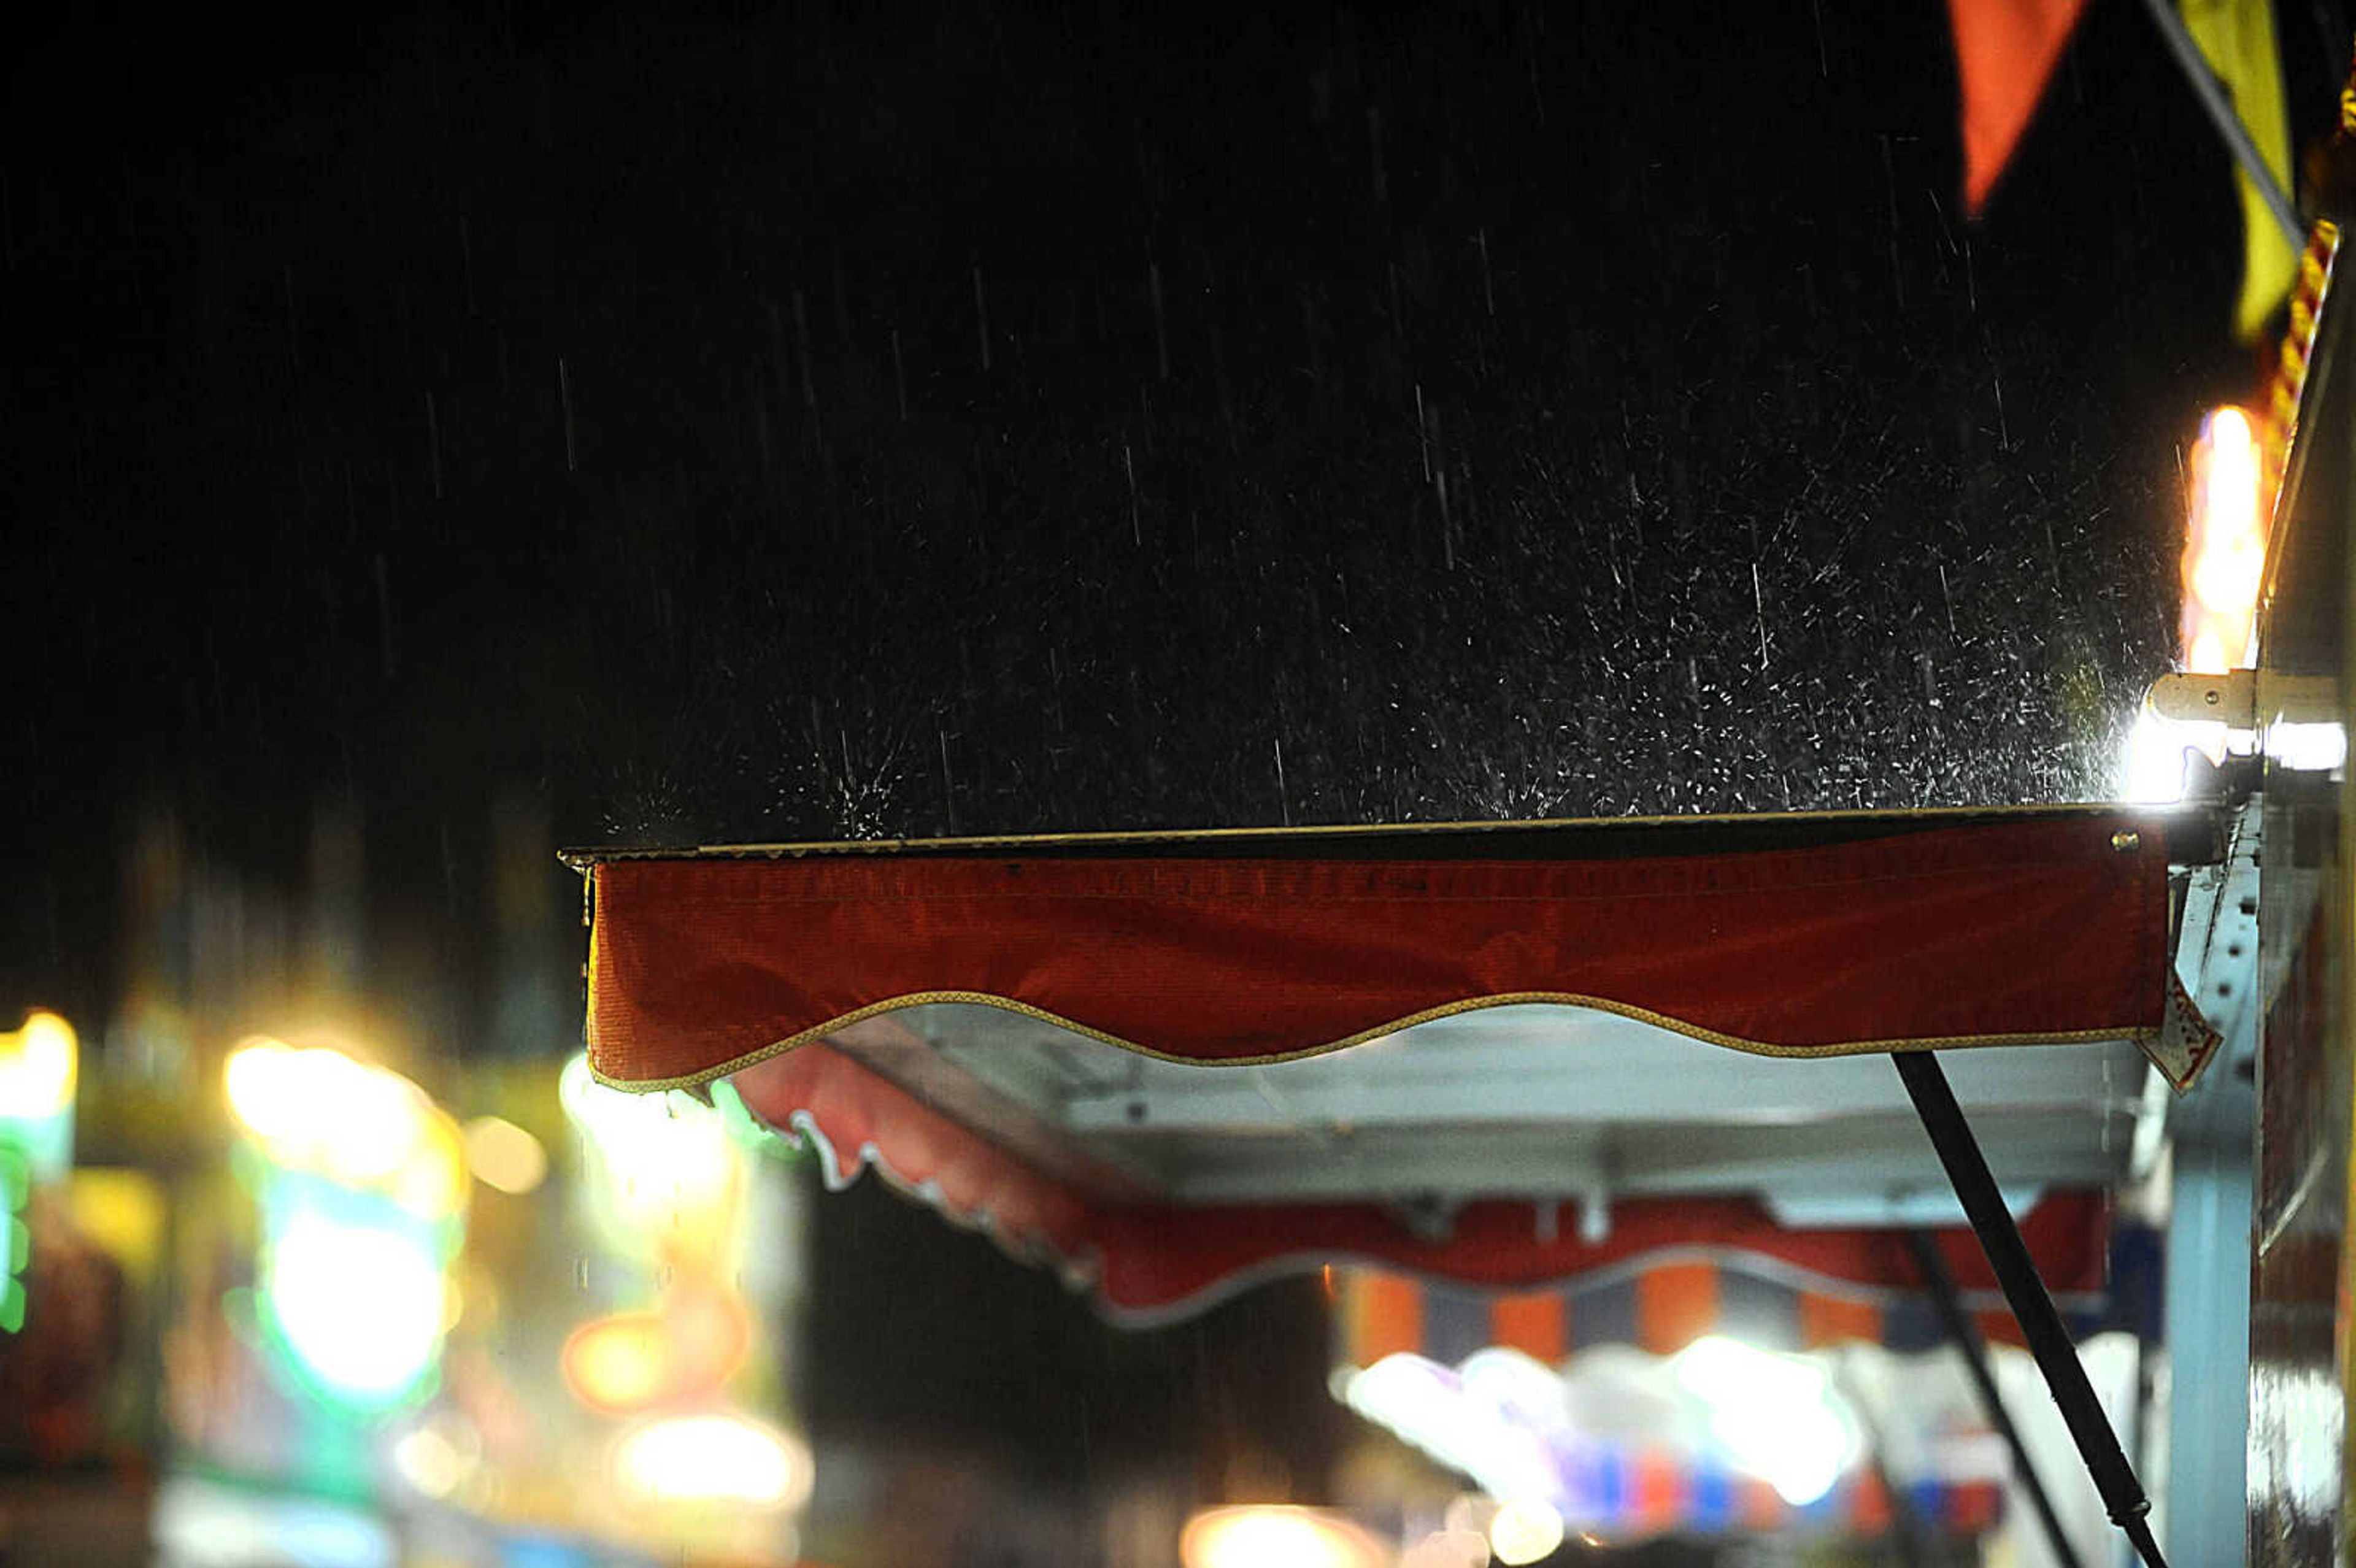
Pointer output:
x,y
2238,37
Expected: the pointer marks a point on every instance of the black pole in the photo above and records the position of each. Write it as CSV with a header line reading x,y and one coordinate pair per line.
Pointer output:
x,y
1966,1336
2041,1324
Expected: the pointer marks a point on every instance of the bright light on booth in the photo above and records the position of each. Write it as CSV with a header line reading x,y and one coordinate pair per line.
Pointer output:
x,y
2226,544
2224,572
2308,748
1777,1416
1272,1536
2152,772
361,1307
714,1458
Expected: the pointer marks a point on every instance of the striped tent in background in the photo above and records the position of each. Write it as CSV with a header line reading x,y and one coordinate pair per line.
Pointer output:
x,y
1660,1306
1767,1287
1661,1302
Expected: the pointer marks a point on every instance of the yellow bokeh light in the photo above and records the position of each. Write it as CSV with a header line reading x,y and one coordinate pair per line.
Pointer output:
x,y
618,1364
1525,1532
714,1458
259,1090
318,1109
1276,1537
431,1462
503,1156
39,1065
432,1182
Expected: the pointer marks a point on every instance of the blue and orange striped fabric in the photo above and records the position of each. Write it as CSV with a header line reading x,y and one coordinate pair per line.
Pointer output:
x,y
1661,1309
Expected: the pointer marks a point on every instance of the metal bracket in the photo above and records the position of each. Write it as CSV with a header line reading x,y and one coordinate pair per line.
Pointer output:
x,y
2228,700
2245,699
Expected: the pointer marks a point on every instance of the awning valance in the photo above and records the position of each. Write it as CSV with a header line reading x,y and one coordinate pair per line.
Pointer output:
x,y
1795,936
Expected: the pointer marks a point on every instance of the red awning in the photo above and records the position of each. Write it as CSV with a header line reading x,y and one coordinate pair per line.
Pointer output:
x,y
1815,936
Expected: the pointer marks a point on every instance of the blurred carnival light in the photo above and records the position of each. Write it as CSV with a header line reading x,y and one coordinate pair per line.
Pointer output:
x,y
1778,1417
1491,1421
714,1458
272,1088
1276,1536
40,1065
619,1364
687,1348
1525,1530
316,1109
503,1156
197,1523
362,1305
438,1457
15,1239
361,1182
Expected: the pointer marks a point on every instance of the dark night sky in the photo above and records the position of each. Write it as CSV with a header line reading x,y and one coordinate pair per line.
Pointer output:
x,y
1767,480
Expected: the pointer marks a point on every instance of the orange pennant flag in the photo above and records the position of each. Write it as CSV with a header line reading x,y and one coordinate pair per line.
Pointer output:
x,y
2005,49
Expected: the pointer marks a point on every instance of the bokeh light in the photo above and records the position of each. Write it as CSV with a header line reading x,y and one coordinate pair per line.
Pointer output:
x,y
1274,1536
503,1156
39,1067
1777,1416
1525,1532
714,1458
362,1305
